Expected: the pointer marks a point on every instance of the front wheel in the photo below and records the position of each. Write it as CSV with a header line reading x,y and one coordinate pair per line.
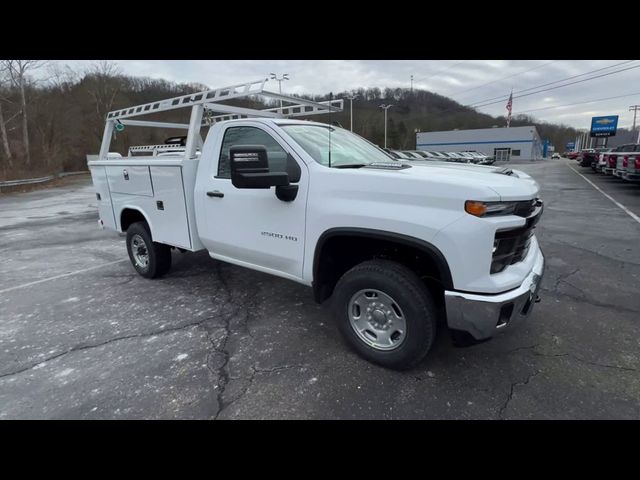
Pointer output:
x,y
386,313
149,258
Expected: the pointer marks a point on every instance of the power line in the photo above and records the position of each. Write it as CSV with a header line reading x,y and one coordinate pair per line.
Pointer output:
x,y
557,81
503,78
562,80
558,86
577,103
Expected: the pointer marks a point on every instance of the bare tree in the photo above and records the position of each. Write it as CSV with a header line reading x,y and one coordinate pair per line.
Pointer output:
x,y
3,122
103,89
3,134
61,76
18,71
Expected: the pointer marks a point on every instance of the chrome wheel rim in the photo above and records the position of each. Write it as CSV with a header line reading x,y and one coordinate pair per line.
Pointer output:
x,y
377,319
140,251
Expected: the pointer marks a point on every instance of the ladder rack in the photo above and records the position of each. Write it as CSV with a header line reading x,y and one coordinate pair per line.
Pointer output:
x,y
290,111
210,101
211,98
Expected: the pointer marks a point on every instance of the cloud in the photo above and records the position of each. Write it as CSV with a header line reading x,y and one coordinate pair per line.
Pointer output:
x,y
466,81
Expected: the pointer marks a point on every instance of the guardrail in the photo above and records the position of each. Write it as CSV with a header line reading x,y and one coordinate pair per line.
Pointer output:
x,y
33,181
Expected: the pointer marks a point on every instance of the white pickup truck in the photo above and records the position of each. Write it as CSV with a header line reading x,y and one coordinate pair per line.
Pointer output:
x,y
396,247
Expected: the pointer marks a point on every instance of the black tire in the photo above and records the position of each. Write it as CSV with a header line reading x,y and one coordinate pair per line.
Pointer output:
x,y
159,255
410,294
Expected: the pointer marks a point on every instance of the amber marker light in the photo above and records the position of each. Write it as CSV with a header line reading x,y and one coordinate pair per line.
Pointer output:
x,y
475,208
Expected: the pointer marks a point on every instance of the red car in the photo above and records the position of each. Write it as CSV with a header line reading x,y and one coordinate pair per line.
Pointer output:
x,y
572,155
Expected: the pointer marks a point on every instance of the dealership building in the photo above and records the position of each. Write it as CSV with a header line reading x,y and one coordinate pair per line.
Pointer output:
x,y
521,143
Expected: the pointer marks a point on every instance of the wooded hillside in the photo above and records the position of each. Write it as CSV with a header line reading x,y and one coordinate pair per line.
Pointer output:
x,y
49,126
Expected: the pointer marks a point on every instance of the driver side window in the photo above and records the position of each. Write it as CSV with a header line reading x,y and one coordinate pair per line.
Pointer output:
x,y
279,159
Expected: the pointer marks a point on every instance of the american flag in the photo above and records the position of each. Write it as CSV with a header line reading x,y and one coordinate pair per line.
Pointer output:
x,y
509,105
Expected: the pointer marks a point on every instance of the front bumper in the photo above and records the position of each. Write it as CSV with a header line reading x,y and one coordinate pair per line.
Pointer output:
x,y
632,177
485,315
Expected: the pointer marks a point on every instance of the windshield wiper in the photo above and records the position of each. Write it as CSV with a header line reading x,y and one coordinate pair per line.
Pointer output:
x,y
350,165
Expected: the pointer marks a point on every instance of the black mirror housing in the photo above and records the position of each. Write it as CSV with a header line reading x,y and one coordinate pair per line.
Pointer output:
x,y
249,166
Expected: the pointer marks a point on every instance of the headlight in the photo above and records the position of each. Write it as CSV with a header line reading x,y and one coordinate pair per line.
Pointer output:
x,y
487,209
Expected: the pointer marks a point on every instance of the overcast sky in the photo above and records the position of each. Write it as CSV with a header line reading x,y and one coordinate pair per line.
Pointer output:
x,y
466,81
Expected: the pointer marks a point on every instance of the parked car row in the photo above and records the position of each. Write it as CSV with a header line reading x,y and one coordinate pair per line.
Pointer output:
x,y
622,161
461,157
590,155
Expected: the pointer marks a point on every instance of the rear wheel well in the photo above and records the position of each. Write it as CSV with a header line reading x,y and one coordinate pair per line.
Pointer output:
x,y
337,254
130,216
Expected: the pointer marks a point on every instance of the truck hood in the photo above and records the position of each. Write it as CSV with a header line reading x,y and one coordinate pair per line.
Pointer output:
x,y
466,166
506,183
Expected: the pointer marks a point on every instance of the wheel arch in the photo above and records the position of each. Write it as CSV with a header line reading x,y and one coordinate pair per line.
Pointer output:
x,y
323,284
130,214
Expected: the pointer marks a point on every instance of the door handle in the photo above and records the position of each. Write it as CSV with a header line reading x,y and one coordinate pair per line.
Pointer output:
x,y
215,193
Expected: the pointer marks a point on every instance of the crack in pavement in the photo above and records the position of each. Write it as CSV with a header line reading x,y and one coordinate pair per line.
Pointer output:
x,y
571,356
256,371
553,239
511,391
562,278
80,347
532,349
222,372
527,347
585,299
419,378
582,360
244,313
225,315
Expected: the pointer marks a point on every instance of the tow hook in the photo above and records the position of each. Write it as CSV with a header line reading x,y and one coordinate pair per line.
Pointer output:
x,y
537,300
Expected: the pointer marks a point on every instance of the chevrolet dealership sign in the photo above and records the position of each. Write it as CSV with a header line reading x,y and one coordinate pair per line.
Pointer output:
x,y
604,126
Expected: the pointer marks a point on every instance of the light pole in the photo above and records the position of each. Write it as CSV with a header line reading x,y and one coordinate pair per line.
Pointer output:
x,y
385,108
351,98
634,109
285,76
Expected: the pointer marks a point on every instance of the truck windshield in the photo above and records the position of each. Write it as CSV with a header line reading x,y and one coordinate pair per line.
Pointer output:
x,y
346,148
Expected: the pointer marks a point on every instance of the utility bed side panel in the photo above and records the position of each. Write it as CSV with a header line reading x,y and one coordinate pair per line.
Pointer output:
x,y
168,180
189,172
103,196
171,225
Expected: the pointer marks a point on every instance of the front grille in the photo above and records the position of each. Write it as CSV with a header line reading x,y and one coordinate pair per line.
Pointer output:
x,y
521,244
512,246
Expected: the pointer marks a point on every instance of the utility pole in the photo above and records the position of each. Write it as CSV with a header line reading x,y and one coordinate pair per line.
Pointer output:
x,y
279,80
351,98
634,109
385,108
411,83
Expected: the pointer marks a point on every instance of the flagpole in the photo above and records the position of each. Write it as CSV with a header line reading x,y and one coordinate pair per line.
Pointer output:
x,y
509,107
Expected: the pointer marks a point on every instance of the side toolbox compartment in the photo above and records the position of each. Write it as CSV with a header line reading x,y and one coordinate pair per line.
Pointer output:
x,y
130,179
103,196
170,222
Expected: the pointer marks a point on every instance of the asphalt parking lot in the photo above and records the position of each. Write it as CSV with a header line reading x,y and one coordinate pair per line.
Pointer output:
x,y
83,336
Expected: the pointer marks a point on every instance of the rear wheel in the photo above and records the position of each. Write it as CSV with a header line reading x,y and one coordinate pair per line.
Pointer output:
x,y
386,313
149,258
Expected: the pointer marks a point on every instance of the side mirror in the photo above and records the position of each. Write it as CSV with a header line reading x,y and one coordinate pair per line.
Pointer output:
x,y
250,168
